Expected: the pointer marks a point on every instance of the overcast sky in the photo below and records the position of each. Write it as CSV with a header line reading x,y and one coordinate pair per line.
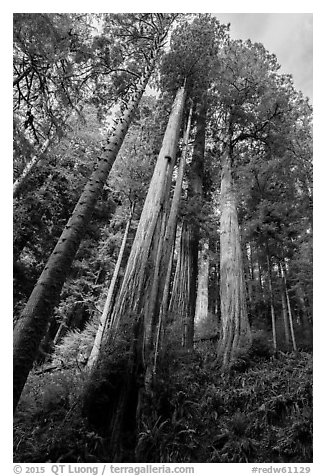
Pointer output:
x,y
287,35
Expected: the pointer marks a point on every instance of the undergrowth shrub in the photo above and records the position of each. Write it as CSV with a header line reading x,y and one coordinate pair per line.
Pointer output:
x,y
261,345
258,412
76,345
48,425
259,350
261,413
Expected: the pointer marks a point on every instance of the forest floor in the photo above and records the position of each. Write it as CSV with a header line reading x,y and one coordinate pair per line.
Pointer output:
x,y
261,411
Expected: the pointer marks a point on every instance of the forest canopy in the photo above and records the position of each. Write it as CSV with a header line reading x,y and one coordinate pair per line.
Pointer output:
x,y
162,246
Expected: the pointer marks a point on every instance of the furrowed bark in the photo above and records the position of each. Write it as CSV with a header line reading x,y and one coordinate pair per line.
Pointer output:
x,y
151,295
184,291
169,240
214,282
235,324
130,302
202,286
171,227
123,355
181,306
159,338
36,314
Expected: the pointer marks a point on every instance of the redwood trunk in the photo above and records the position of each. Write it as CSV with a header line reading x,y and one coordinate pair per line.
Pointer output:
x,y
184,292
148,233
163,288
214,282
236,332
125,354
182,303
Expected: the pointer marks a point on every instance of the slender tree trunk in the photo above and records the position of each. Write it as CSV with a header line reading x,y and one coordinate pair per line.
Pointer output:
x,y
251,259
29,167
32,324
285,319
105,322
270,285
60,331
301,298
202,286
260,279
191,237
235,324
289,308
176,278
195,196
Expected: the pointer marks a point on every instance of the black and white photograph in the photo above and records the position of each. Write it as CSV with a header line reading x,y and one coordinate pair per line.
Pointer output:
x,y
162,242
